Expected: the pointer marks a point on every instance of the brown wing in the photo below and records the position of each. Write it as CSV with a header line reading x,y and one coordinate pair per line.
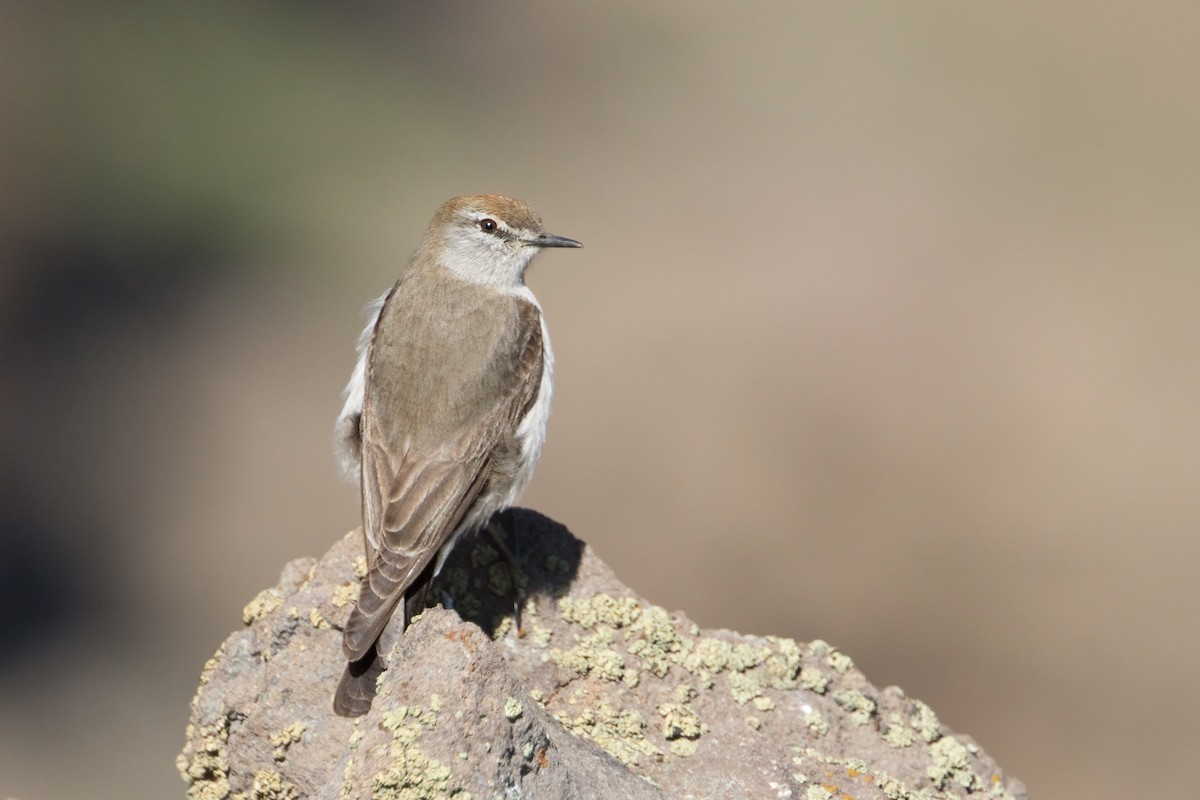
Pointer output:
x,y
413,502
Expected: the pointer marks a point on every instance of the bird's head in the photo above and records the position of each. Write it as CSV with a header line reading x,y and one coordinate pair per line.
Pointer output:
x,y
489,239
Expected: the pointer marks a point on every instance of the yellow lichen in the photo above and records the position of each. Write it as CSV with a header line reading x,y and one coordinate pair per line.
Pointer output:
x,y
713,654
683,747
814,680
659,644
746,656
816,792
207,771
621,733
285,738
745,687
263,603
345,594
680,721
782,667
616,612
270,785
206,672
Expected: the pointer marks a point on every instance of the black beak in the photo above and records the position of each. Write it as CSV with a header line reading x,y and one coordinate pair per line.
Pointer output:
x,y
550,240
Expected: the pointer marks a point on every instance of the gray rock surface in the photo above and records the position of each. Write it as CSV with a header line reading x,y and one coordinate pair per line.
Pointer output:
x,y
598,694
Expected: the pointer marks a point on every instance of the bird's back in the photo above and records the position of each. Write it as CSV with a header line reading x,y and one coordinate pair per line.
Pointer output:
x,y
448,362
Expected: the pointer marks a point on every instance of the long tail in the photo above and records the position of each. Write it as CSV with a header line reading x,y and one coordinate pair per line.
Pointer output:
x,y
356,689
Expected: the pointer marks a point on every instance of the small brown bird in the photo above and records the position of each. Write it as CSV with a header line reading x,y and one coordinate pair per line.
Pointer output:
x,y
445,413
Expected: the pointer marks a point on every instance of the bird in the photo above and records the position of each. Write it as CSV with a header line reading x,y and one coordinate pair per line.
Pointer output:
x,y
445,413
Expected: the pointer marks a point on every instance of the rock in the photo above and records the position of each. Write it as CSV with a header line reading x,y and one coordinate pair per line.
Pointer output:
x,y
598,694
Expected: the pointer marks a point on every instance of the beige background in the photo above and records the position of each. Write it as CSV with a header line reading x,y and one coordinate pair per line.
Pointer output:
x,y
885,333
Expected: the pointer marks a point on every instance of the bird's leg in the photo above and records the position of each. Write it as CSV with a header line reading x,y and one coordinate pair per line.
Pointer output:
x,y
496,528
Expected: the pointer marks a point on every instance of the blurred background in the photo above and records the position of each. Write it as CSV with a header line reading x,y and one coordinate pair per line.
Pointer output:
x,y
886,333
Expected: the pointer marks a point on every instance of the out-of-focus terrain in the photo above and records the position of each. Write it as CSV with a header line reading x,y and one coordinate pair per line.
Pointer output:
x,y
885,333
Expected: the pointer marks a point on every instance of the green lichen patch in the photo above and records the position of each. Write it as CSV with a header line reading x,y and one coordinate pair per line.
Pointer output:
x,y
502,579
656,641
621,733
784,665
556,565
483,554
616,612
512,709
840,662
949,766
897,734
926,722
951,763
816,723
711,655
858,705
593,655
411,773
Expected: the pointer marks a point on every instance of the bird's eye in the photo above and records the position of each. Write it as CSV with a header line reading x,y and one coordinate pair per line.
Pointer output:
x,y
487,225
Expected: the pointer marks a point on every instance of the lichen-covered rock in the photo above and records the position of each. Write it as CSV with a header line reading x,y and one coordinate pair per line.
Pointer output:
x,y
592,692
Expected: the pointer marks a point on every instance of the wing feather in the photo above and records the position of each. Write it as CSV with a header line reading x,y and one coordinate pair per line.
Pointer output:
x,y
414,502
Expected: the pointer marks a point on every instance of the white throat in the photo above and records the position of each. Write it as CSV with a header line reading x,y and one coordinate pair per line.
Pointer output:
x,y
487,262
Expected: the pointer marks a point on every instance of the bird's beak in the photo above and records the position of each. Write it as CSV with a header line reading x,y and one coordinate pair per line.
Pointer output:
x,y
550,240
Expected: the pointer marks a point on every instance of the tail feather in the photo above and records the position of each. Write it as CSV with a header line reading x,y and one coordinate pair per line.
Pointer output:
x,y
356,689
